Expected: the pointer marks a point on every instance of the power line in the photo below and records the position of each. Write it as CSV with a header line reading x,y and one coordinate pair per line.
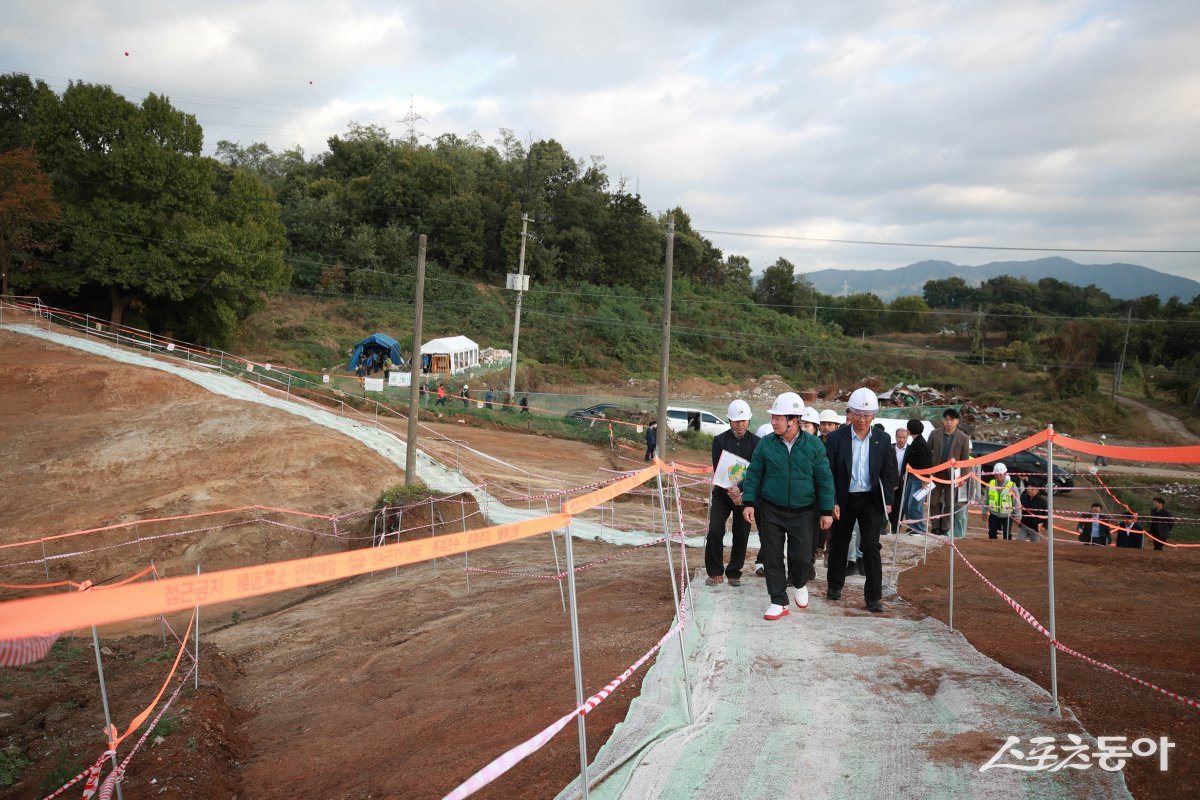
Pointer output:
x,y
939,246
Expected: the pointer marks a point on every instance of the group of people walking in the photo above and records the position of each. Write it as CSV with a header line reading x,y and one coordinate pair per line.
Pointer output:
x,y
816,482
799,488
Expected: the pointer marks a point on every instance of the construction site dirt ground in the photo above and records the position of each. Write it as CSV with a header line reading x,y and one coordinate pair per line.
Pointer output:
x,y
402,684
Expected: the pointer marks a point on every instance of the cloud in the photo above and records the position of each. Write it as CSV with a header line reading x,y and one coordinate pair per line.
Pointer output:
x,y
1069,123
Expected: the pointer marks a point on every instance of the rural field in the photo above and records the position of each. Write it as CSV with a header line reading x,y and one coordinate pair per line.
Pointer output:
x,y
404,682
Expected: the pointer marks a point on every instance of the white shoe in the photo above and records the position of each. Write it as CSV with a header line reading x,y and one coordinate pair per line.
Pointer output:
x,y
802,597
775,612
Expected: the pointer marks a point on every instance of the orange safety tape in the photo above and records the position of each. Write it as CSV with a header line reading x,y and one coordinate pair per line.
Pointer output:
x,y
39,585
131,579
162,519
683,466
592,499
1163,455
113,739
63,612
1024,444
1104,486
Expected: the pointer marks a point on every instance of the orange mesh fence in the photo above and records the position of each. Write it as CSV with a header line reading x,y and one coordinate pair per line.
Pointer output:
x,y
1012,449
579,504
37,615
1162,455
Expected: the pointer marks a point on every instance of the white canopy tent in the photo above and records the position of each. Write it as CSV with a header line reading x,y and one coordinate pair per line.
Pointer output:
x,y
451,354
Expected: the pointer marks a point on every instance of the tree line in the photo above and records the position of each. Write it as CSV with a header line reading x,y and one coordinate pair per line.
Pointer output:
x,y
109,204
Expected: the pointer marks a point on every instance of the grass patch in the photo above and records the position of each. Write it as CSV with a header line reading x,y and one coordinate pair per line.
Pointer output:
x,y
12,767
166,726
165,655
402,495
65,766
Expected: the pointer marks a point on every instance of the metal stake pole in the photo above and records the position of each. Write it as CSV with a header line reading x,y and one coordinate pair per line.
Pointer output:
x,y
953,546
433,533
104,699
687,572
162,622
137,534
196,684
557,566
900,516
45,562
1050,565
687,683
578,661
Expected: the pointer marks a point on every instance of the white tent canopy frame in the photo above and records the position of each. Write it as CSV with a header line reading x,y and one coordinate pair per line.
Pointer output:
x,y
451,354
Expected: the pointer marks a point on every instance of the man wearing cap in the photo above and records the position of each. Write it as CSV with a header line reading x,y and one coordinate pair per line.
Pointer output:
x,y
725,502
864,477
945,443
829,422
789,486
1001,499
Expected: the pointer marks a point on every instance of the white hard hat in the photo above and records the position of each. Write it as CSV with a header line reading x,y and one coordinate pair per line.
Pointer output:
x,y
828,415
739,409
810,415
763,430
999,467
788,404
864,399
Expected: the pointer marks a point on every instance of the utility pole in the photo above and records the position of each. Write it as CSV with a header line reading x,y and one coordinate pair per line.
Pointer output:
x,y
1121,364
414,371
665,368
982,351
520,284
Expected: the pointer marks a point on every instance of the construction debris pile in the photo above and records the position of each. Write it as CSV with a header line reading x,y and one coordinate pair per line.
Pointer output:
x,y
494,355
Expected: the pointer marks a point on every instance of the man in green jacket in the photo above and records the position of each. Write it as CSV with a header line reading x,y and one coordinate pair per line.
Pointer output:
x,y
790,482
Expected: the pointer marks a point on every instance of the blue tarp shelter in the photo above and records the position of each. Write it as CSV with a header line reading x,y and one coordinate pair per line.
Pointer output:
x,y
379,343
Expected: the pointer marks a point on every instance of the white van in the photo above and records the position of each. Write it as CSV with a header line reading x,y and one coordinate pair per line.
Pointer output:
x,y
680,419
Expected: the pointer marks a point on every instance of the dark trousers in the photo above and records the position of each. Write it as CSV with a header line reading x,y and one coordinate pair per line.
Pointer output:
x,y
939,503
714,548
777,528
863,508
999,526
897,506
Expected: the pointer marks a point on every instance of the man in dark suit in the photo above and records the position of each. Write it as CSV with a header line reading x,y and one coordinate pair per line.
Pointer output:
x,y
901,452
864,480
945,443
918,457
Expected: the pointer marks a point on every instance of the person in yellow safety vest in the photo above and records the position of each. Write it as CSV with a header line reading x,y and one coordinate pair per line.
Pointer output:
x,y
1001,499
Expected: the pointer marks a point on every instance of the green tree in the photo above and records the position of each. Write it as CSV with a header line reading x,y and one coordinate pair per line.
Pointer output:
x,y
26,206
859,314
776,286
737,276
130,180
951,292
19,99
1016,321
909,314
149,218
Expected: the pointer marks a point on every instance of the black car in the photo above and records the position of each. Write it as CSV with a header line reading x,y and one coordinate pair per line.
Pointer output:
x,y
593,411
1025,466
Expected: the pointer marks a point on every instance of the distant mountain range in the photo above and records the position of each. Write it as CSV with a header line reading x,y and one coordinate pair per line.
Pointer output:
x,y
1124,281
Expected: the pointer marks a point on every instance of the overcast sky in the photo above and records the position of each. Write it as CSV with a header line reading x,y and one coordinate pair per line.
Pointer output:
x,y
1068,124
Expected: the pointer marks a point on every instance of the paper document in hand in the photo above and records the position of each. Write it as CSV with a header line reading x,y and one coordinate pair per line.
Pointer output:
x,y
730,470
